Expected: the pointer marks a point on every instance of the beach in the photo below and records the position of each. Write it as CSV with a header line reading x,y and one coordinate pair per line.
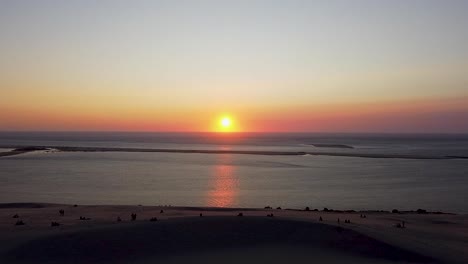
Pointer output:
x,y
213,235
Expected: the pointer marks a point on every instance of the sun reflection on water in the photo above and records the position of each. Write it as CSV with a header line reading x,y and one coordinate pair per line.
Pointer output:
x,y
224,183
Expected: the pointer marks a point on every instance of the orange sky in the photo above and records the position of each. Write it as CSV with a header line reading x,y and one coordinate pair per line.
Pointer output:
x,y
403,116
318,66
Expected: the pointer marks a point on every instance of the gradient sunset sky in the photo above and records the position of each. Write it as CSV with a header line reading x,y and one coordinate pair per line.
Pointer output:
x,y
318,66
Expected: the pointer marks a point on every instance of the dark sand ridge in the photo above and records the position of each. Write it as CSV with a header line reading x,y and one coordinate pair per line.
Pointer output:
x,y
21,150
189,236
180,235
320,145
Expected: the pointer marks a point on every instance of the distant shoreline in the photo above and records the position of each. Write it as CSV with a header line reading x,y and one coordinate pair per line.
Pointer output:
x,y
17,150
341,146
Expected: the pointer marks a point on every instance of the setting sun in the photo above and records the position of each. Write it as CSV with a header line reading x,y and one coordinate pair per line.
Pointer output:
x,y
225,122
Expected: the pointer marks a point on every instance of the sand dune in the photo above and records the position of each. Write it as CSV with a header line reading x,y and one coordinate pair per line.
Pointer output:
x,y
181,235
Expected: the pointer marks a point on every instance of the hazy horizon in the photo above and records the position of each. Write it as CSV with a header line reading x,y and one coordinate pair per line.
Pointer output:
x,y
227,134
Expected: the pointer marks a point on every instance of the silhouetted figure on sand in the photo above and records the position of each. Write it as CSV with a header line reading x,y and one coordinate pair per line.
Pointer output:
x,y
320,219
134,217
201,215
161,212
338,220
54,224
16,216
62,212
19,222
240,214
270,215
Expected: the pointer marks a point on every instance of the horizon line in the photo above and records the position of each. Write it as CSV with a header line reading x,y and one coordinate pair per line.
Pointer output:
x,y
233,132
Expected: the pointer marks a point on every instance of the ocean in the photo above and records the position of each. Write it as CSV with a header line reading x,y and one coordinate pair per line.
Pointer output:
x,y
356,171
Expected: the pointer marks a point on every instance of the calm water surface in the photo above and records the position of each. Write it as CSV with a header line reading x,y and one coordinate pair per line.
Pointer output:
x,y
239,180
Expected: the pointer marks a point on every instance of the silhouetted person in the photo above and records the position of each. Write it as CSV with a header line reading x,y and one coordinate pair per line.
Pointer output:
x,y
403,224
134,217
201,215
62,212
240,214
161,212
119,219
338,221
54,224
320,219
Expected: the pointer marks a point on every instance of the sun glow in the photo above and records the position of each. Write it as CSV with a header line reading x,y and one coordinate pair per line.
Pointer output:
x,y
225,124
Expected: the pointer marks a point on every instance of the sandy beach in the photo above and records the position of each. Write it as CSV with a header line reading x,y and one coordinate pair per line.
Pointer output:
x,y
17,150
180,234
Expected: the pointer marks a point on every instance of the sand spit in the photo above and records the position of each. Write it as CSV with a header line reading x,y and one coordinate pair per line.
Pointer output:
x,y
164,234
21,150
319,145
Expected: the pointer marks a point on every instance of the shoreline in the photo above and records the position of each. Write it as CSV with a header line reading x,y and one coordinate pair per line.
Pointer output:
x,y
32,205
17,150
426,238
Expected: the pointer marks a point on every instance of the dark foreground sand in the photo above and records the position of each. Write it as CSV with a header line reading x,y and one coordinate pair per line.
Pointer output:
x,y
180,235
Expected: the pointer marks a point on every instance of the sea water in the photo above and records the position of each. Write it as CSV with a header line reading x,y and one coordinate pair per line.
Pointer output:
x,y
239,180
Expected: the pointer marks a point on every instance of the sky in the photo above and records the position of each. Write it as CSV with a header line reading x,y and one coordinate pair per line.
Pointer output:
x,y
271,66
